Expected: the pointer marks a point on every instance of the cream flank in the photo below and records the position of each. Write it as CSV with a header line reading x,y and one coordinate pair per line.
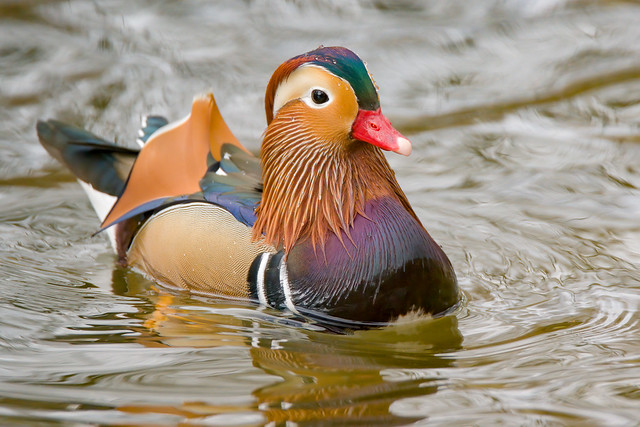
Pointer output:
x,y
196,260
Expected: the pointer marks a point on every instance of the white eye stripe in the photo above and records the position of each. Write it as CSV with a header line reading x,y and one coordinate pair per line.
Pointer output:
x,y
300,86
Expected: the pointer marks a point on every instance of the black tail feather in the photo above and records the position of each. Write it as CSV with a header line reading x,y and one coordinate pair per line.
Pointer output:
x,y
90,158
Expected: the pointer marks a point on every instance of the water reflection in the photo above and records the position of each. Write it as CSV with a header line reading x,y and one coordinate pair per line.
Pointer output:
x,y
321,376
339,378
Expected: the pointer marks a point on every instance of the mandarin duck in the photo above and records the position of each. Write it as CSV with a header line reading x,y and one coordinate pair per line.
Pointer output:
x,y
317,225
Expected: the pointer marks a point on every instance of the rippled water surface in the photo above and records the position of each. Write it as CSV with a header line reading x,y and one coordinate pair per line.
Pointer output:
x,y
525,119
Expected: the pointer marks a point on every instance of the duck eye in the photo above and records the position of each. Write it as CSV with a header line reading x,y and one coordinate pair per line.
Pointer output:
x,y
319,96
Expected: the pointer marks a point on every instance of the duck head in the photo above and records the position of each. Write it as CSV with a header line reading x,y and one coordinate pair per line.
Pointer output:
x,y
332,90
321,153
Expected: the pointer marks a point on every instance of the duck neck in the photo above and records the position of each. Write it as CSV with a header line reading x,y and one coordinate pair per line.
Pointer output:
x,y
313,187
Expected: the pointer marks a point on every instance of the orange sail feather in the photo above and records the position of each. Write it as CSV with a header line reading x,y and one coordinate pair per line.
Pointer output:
x,y
174,159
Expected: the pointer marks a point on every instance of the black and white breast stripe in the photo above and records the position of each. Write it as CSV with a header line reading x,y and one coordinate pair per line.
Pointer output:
x,y
269,282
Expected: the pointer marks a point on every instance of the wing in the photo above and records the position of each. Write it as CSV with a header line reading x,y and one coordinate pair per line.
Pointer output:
x,y
233,183
174,160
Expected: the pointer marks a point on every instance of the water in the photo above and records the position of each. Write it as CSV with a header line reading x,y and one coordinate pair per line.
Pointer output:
x,y
525,119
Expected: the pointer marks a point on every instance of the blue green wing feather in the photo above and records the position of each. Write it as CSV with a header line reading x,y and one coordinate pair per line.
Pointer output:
x,y
150,124
234,183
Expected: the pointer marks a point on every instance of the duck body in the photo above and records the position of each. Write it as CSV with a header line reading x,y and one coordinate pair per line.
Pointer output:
x,y
317,226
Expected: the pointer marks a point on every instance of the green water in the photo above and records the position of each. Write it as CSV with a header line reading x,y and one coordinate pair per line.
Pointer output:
x,y
525,120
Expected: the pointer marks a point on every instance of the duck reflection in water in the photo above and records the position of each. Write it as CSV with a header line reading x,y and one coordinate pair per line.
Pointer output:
x,y
323,376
